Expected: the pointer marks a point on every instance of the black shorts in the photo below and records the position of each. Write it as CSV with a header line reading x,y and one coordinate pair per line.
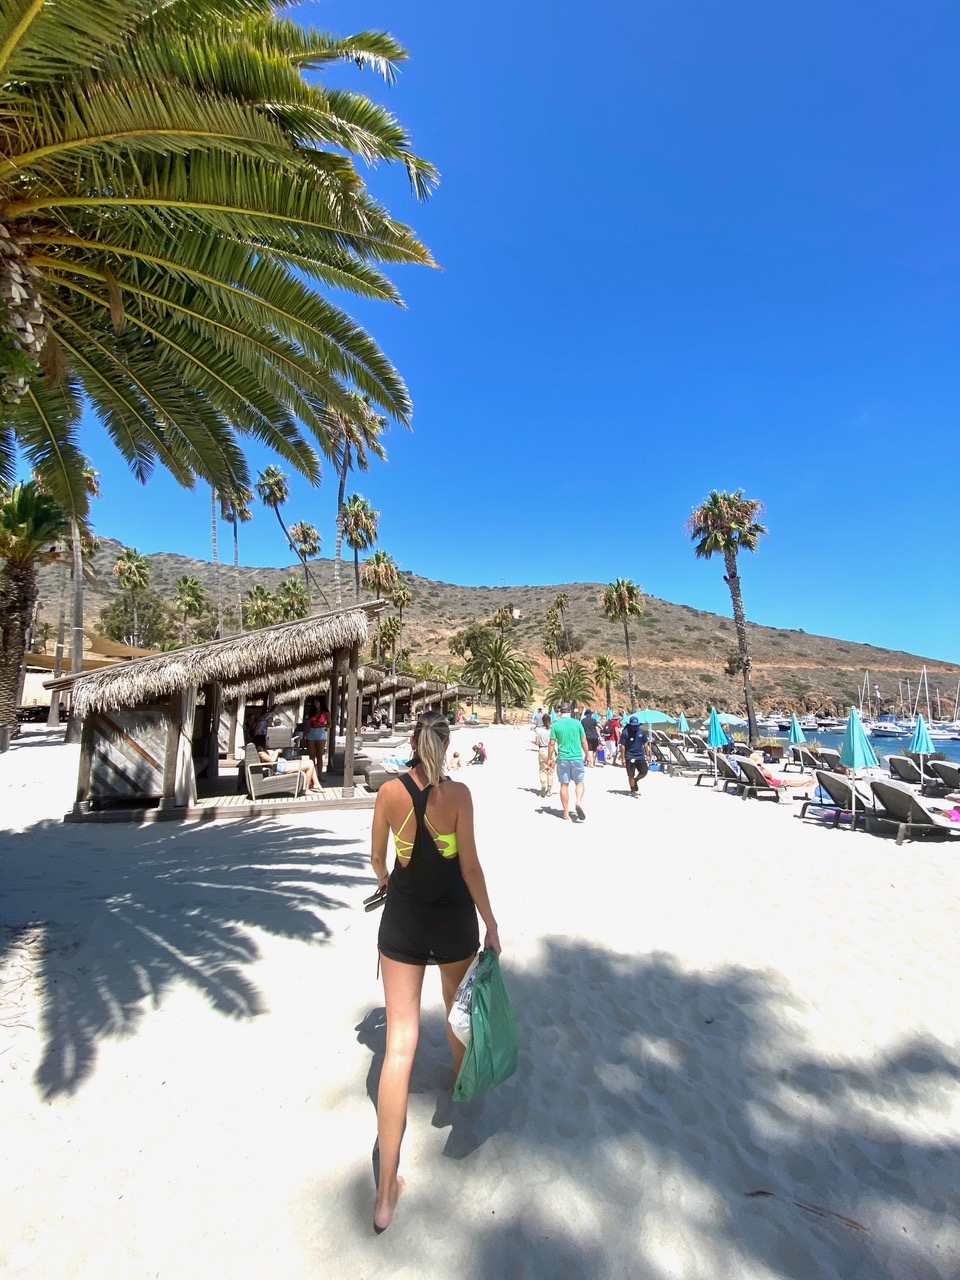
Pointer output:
x,y
636,769
414,932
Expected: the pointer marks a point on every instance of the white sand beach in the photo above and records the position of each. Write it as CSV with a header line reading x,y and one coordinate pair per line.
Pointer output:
x,y
740,1045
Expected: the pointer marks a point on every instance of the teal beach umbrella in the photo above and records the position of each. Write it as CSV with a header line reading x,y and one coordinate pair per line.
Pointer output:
x,y
921,744
856,753
682,723
797,736
651,716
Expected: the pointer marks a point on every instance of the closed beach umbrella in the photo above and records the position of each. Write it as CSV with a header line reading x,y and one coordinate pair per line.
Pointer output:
x,y
856,753
716,737
921,744
797,736
682,723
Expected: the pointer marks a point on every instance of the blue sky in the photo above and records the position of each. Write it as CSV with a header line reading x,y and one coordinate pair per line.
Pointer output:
x,y
685,246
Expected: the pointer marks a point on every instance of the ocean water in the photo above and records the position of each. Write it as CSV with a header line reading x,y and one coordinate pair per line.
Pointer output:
x,y
882,746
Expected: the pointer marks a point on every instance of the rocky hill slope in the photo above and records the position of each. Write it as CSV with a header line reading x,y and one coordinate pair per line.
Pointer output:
x,y
680,655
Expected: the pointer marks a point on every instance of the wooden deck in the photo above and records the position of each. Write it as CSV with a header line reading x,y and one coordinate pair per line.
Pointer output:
x,y
235,805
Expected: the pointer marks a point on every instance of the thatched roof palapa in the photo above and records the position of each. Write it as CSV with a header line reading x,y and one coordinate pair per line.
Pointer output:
x,y
291,653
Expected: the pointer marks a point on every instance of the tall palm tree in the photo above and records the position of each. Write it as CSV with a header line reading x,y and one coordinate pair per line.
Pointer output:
x,y
726,524
133,574
502,618
401,598
605,674
498,669
235,508
292,600
171,190
306,543
32,526
218,599
260,606
273,491
561,602
190,599
551,649
356,433
79,541
572,683
358,524
621,601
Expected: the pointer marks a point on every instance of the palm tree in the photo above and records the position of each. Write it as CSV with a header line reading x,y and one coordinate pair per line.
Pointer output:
x,y
190,600
216,563
358,524
379,574
401,598
292,600
605,673
572,683
355,432
621,601
502,618
80,539
260,607
235,508
551,649
498,669
726,524
561,601
171,190
306,543
133,574
31,527
273,491
389,636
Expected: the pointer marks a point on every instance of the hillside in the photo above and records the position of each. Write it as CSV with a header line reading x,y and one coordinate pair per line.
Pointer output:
x,y
680,654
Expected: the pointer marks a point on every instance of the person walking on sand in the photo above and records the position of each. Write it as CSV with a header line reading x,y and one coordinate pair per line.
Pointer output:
x,y
433,895
568,750
541,738
591,731
635,753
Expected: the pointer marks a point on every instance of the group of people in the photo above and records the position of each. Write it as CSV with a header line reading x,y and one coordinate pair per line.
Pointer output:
x,y
567,746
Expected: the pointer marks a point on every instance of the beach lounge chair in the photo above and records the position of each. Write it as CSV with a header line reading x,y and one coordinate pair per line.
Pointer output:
x,y
903,769
753,783
803,760
697,742
905,810
947,772
830,760
847,800
663,759
263,781
682,763
726,774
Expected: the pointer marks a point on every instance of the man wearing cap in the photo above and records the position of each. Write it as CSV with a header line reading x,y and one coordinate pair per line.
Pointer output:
x,y
634,752
568,747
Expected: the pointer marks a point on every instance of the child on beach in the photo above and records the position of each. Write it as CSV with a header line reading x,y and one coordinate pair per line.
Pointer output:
x,y
479,754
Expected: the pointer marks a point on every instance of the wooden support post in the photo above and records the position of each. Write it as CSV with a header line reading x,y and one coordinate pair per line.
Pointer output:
x,y
179,779
87,738
333,711
351,727
215,704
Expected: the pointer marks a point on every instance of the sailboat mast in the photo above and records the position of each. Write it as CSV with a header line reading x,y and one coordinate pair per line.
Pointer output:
x,y
926,686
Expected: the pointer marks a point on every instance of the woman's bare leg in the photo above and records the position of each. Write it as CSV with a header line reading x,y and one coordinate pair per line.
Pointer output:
x,y
451,975
402,984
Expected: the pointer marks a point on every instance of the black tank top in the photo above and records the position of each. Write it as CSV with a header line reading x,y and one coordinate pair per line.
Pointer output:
x,y
428,876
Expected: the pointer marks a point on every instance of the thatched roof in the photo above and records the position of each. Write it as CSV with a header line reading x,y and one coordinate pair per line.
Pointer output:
x,y
281,657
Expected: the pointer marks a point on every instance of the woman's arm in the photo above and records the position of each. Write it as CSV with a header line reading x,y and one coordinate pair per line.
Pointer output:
x,y
379,836
471,869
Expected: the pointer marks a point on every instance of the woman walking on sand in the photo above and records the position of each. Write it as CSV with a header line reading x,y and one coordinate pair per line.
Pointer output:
x,y
541,737
430,917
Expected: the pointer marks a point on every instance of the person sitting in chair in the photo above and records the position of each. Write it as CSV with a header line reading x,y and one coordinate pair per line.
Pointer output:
x,y
300,765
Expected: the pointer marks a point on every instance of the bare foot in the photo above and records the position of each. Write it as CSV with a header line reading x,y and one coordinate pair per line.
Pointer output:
x,y
383,1214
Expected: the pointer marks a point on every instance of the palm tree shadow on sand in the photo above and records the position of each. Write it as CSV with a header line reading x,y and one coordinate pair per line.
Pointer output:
x,y
109,931
648,1094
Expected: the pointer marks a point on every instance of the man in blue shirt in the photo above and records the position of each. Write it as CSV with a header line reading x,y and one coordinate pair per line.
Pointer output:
x,y
634,753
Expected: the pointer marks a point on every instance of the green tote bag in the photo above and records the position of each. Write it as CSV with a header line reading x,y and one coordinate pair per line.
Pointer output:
x,y
491,1055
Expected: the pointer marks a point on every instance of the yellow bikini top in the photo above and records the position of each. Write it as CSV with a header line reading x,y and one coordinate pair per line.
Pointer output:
x,y
446,844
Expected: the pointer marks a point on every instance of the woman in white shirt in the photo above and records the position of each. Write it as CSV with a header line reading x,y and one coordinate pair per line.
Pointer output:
x,y
541,736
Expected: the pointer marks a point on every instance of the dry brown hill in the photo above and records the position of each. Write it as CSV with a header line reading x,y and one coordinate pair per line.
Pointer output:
x,y
680,654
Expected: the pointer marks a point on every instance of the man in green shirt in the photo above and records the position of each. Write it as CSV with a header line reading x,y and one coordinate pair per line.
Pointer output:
x,y
568,748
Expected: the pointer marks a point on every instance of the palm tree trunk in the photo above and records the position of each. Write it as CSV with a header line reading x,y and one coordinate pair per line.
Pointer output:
x,y
53,716
236,569
135,638
740,622
338,594
356,572
76,638
626,636
216,562
497,703
18,595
